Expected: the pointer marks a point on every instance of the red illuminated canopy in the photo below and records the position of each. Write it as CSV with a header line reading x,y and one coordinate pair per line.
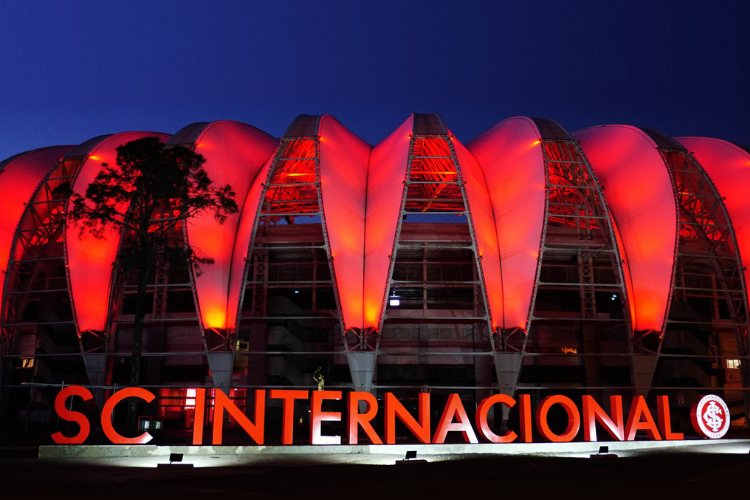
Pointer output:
x,y
20,177
91,260
639,192
344,160
385,175
728,166
234,153
510,154
362,194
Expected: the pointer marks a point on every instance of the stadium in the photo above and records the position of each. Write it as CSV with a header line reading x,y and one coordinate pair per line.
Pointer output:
x,y
530,260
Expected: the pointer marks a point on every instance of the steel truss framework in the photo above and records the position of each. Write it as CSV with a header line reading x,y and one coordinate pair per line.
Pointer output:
x,y
439,319
37,317
435,332
290,302
39,288
578,331
707,314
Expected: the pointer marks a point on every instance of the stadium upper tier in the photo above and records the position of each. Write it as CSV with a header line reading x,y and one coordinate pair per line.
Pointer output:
x,y
658,196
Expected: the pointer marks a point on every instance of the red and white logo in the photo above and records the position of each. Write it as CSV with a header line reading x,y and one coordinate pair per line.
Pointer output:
x,y
710,416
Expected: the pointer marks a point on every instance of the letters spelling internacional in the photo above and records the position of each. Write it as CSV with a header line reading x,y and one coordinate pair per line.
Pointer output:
x,y
362,408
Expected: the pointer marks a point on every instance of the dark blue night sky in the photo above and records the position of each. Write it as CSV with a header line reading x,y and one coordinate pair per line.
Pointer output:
x,y
75,69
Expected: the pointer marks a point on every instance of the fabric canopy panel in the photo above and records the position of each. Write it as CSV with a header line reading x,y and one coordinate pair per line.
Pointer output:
x,y
90,259
344,161
511,158
638,190
386,173
728,166
234,153
485,229
20,177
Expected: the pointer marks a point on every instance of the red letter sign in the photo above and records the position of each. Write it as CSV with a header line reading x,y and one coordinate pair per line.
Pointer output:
x,y
200,416
256,430
454,408
289,396
109,430
574,419
593,413
481,418
665,421
524,415
357,419
72,416
640,419
394,407
318,416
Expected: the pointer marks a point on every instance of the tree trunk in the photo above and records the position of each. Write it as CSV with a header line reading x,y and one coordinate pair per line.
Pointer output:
x,y
139,316
137,351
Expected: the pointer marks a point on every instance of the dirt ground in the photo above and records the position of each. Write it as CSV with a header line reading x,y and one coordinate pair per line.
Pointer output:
x,y
633,477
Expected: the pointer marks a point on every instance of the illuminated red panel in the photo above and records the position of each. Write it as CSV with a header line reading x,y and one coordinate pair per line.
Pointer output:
x,y
90,259
20,177
385,177
483,220
639,193
511,158
728,166
234,153
344,161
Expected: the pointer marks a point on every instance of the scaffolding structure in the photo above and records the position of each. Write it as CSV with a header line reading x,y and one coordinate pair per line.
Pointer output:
x,y
436,327
39,337
578,333
706,327
290,324
436,330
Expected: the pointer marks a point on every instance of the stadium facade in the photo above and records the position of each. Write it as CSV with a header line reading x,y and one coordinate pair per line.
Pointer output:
x,y
530,260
